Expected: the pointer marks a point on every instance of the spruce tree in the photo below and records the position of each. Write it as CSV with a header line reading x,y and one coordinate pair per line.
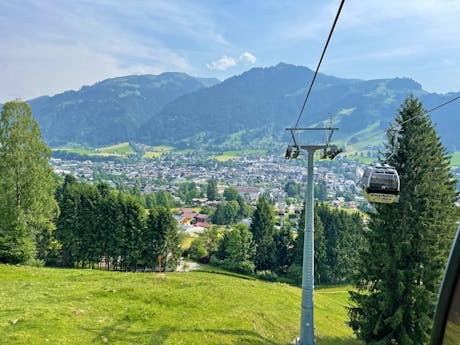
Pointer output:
x,y
160,238
407,242
263,229
133,226
320,264
212,192
283,243
27,204
67,225
218,216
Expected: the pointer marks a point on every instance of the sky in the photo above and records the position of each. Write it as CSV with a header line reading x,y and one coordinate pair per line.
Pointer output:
x,y
50,46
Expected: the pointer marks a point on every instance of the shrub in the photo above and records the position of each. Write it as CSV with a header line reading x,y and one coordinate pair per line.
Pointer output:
x,y
267,275
243,267
197,249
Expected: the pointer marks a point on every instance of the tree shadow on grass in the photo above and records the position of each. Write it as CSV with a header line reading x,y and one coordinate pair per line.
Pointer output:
x,y
338,341
120,332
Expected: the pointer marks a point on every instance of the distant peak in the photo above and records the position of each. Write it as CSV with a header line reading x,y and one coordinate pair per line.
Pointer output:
x,y
287,65
404,83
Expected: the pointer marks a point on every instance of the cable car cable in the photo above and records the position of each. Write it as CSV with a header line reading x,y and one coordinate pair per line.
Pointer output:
x,y
432,109
319,64
413,118
380,183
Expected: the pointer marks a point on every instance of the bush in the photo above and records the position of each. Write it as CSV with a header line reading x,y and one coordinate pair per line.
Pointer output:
x,y
246,267
294,272
267,275
35,263
197,249
243,267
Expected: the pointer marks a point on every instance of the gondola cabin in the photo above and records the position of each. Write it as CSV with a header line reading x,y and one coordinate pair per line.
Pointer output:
x,y
380,184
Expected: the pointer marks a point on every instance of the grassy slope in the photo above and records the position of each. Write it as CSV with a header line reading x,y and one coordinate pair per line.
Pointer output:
x,y
227,155
122,148
157,151
53,306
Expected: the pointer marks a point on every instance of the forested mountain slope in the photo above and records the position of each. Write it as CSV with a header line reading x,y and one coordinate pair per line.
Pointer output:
x,y
109,111
184,111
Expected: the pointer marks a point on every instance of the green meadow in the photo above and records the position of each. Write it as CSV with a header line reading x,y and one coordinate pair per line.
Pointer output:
x,y
122,148
227,155
71,306
157,151
118,150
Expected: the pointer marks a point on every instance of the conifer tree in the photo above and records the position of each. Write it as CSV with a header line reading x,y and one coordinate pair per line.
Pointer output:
x,y
67,229
408,242
283,243
133,225
160,238
27,204
212,192
320,266
263,229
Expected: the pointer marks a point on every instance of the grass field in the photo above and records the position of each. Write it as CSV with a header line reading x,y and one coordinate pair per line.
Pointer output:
x,y
122,148
227,155
150,154
224,158
64,306
118,150
157,151
78,151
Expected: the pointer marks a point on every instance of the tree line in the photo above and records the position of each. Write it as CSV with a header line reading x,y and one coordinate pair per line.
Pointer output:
x,y
73,223
99,224
275,252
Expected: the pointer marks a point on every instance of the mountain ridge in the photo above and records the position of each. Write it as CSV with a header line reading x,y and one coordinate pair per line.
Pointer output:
x,y
177,109
111,109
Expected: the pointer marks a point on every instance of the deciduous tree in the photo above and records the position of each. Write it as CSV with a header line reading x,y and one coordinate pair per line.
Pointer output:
x,y
27,204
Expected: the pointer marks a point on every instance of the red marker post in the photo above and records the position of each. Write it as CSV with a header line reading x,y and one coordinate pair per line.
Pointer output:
x,y
159,261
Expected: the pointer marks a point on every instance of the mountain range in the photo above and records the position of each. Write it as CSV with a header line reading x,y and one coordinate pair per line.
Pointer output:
x,y
251,109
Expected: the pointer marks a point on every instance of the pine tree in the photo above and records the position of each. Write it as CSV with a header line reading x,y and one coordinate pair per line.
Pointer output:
x,y
133,225
160,238
89,224
263,229
343,234
211,191
67,228
218,216
283,243
407,243
27,204
320,265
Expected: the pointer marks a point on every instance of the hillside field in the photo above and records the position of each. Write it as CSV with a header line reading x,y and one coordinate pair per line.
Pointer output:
x,y
71,306
118,150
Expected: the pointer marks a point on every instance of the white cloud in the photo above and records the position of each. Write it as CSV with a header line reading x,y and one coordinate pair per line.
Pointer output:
x,y
223,63
248,57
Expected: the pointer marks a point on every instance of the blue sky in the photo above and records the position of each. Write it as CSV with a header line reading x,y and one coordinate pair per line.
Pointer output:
x,y
47,47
